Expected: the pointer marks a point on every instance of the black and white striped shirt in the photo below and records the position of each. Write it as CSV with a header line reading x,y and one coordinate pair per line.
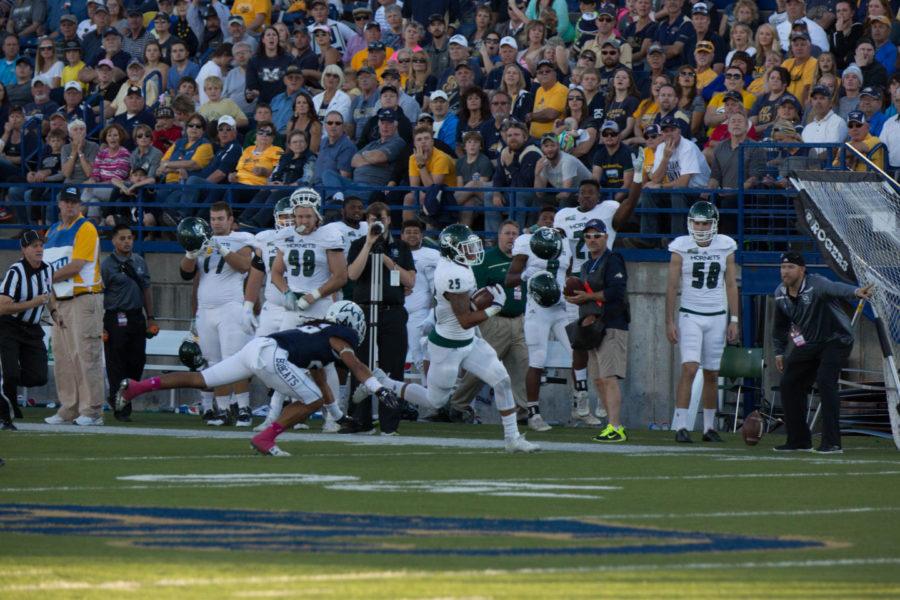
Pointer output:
x,y
22,283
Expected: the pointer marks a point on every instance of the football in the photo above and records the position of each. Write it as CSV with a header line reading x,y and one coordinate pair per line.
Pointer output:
x,y
482,299
573,284
753,429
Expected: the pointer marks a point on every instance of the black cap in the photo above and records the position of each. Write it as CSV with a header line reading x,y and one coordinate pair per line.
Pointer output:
x,y
545,63
871,91
29,237
165,112
794,258
376,45
367,69
293,70
463,65
134,91
26,60
70,194
72,45
820,89
671,121
390,72
134,12
112,31
733,95
387,114
388,88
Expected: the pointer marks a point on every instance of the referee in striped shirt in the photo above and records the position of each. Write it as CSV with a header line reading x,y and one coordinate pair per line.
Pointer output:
x,y
25,292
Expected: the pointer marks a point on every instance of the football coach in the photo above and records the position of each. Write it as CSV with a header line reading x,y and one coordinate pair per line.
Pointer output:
x,y
808,311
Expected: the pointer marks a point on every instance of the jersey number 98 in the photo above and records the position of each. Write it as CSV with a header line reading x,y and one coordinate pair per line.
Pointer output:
x,y
307,264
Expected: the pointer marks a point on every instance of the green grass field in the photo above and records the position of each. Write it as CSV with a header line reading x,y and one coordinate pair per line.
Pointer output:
x,y
163,508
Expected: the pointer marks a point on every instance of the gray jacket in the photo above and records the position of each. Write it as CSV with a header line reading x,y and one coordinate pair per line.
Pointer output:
x,y
816,311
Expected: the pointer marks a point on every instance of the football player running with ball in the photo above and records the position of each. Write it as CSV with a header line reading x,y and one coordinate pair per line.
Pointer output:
x,y
219,264
453,344
290,362
703,267
541,259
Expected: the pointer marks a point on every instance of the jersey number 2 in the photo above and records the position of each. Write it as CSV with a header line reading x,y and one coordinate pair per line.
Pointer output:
x,y
711,277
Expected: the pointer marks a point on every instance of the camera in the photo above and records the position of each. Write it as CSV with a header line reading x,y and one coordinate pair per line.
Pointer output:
x,y
377,228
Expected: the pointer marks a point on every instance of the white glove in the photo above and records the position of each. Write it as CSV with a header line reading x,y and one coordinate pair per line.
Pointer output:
x,y
249,321
193,254
222,250
302,304
499,294
290,300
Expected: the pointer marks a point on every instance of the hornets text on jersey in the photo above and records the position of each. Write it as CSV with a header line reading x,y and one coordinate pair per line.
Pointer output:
x,y
703,273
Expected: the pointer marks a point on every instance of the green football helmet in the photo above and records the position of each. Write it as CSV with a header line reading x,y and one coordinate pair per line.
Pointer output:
x,y
544,289
703,212
284,214
192,233
461,245
190,355
546,243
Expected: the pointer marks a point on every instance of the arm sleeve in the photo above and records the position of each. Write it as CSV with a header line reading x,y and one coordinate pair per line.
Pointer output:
x,y
10,284
203,155
780,325
86,241
835,289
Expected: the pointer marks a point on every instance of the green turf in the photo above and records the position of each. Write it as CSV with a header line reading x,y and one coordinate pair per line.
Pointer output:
x,y
750,491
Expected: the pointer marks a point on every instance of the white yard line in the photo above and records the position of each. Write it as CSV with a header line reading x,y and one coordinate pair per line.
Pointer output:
x,y
732,514
465,443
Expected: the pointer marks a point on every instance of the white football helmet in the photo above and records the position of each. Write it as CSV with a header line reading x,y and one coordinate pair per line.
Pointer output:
x,y
284,214
703,212
308,198
345,312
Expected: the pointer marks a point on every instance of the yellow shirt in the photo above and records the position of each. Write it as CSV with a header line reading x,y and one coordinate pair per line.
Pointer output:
x,y
704,78
71,74
801,76
248,9
644,115
554,98
438,164
647,167
359,59
758,86
87,248
718,101
250,159
213,110
878,158
202,156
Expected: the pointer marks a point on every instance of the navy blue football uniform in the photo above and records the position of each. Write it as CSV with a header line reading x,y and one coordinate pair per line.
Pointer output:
x,y
308,347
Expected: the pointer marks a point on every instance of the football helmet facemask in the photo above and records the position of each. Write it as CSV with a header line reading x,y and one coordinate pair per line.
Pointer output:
x,y
192,233
284,214
461,245
544,289
703,212
546,243
349,314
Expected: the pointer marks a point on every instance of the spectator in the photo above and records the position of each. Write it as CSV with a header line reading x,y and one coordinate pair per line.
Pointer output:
x,y
473,169
606,39
305,119
265,71
162,29
339,33
135,36
885,50
428,167
564,27
48,69
851,85
557,169
113,161
796,13
801,67
262,113
613,166
766,106
166,132
621,103
667,105
389,99
645,113
826,125
515,168
256,163
216,66
890,134
392,27
508,54
577,130
411,109
255,13
741,41
362,37
78,155
8,62
144,161
335,153
866,143
700,21
137,78
294,168
549,99
24,293
283,103
67,33
514,84
472,114
689,100
235,81
217,107
40,101
874,73
604,272
127,314
490,132
673,34
237,34
421,82
73,250
332,97
187,156
787,159
19,92
733,104
135,113
845,34
48,171
870,105
365,105
110,50
725,166
74,64
677,163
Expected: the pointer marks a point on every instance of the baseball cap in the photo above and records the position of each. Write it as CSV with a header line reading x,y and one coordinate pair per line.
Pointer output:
x,y
315,2
784,127
135,61
362,9
70,194
463,65
460,40
545,63
388,88
161,16
549,137
509,41
226,120
705,46
607,9
134,12
72,45
73,85
61,113
366,71
792,100
881,19
36,82
733,95
29,237
101,6
656,49
596,224
793,258
106,63
799,35
652,130
71,18
373,25
700,9
235,19
856,116
612,42
376,45
439,95
113,32
387,114
587,25
820,89
164,112
319,27
871,91
391,72
609,124
26,60
670,121
134,91
293,70
426,117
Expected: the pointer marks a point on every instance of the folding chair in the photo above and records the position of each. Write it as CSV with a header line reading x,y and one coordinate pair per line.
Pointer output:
x,y
737,365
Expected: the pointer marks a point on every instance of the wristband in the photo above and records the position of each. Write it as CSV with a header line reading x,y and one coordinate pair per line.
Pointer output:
x,y
733,319
248,304
373,384
316,294
492,310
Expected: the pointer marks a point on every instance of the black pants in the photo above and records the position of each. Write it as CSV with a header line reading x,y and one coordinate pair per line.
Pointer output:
x,y
392,344
23,358
125,350
819,363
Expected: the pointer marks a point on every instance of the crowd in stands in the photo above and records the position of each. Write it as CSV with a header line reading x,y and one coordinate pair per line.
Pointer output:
x,y
434,94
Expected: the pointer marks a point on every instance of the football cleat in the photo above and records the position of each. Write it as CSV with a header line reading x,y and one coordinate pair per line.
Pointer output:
x,y
536,423
330,426
300,427
520,444
581,412
683,437
267,447
823,449
264,424
124,396
712,435
244,417
611,434
218,419
792,448
7,426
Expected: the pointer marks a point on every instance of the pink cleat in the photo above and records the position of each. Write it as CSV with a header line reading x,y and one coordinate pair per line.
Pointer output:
x,y
264,441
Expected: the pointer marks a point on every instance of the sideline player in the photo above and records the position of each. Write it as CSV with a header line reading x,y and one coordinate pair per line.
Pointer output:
x,y
420,299
703,266
290,362
220,267
309,267
534,253
453,344
571,222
